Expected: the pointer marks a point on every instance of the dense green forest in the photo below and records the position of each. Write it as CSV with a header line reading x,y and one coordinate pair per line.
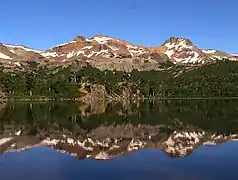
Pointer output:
x,y
213,80
39,82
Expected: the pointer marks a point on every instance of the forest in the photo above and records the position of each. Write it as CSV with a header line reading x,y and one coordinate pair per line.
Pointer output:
x,y
213,80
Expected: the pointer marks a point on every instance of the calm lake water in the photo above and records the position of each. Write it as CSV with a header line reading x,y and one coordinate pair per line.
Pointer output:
x,y
172,139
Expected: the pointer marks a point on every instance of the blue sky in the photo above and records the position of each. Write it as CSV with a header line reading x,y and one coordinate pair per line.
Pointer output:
x,y
42,24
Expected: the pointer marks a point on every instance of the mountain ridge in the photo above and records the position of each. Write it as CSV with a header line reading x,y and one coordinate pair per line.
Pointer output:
x,y
138,44
111,53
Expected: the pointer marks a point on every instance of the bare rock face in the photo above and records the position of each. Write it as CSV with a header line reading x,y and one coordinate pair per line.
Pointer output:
x,y
80,39
176,40
95,95
98,92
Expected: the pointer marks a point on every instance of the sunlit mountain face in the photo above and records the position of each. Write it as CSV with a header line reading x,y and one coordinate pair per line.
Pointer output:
x,y
106,131
110,53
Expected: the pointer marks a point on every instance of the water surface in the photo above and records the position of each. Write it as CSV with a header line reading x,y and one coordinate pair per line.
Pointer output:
x,y
177,139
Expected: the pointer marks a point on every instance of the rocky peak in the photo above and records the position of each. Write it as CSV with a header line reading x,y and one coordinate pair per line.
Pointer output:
x,y
177,40
182,51
79,39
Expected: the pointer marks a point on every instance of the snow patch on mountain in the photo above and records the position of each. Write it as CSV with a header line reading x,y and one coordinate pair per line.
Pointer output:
x,y
17,63
4,56
63,44
101,39
22,47
49,54
87,47
71,54
210,51
80,52
113,48
102,52
193,58
135,50
12,51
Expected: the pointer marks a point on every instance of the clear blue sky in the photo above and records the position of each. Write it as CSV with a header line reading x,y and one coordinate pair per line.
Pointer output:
x,y
44,23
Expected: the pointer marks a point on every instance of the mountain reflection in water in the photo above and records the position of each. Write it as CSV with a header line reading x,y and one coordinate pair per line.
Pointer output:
x,y
135,132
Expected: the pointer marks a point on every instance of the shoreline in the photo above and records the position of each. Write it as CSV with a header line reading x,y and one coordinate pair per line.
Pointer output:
x,y
120,99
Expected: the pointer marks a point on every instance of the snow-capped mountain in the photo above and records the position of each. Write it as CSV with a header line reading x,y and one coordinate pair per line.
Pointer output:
x,y
111,53
182,51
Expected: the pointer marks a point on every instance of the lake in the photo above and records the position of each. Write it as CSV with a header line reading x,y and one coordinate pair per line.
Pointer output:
x,y
163,139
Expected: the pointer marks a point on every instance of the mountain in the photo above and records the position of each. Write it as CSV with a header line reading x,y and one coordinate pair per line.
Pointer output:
x,y
182,51
105,52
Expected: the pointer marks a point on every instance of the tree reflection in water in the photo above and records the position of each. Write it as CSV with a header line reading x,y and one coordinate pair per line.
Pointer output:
x,y
108,130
